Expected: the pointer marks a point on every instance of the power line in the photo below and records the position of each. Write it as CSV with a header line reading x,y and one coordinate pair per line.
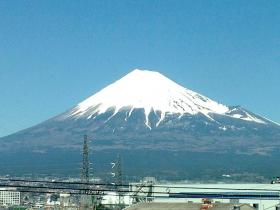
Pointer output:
x,y
137,185
171,195
100,192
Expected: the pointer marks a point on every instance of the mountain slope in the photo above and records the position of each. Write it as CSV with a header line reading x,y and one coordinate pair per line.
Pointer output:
x,y
145,111
146,104
152,91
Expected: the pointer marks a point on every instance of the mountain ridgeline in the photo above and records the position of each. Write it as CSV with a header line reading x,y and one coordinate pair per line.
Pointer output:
x,y
159,127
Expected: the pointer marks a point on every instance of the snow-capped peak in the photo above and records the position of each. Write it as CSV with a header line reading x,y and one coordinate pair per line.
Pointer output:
x,y
150,91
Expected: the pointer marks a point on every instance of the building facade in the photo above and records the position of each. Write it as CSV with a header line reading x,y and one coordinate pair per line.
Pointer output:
x,y
9,197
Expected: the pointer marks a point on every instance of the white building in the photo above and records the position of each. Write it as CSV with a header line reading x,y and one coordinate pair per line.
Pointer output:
x,y
261,196
113,198
9,197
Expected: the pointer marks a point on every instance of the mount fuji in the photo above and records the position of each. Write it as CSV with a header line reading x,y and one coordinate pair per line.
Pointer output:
x,y
152,92
145,114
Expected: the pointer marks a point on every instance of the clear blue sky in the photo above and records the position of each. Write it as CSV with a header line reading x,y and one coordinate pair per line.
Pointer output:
x,y
54,54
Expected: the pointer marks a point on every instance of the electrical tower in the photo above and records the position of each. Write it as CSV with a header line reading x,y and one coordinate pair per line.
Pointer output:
x,y
85,199
85,167
117,172
118,181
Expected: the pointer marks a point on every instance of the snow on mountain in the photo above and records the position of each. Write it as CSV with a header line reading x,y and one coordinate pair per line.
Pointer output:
x,y
146,113
239,113
152,91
